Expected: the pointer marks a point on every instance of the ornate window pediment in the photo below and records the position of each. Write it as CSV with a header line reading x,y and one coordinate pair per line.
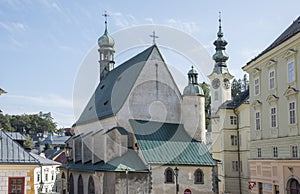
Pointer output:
x,y
255,71
271,63
289,52
290,91
272,98
256,103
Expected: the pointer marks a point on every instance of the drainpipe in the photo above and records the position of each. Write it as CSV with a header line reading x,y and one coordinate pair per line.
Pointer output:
x,y
239,154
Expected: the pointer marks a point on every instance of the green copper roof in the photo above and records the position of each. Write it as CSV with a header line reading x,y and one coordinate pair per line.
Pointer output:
x,y
220,56
168,143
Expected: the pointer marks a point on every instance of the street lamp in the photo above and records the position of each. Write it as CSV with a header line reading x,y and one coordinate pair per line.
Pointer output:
x,y
68,154
126,171
176,179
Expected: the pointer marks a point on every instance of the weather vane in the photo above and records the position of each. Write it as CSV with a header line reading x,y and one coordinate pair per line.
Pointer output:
x,y
153,36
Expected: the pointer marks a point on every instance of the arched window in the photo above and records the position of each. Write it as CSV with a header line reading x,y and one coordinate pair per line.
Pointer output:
x,y
63,175
80,185
198,177
91,186
169,175
293,186
71,184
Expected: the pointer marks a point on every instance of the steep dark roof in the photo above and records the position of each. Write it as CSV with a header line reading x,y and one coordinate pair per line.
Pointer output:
x,y
237,101
292,30
16,136
112,91
168,143
55,140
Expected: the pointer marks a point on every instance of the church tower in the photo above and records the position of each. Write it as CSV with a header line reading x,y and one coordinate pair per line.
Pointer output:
x,y
106,52
194,108
220,77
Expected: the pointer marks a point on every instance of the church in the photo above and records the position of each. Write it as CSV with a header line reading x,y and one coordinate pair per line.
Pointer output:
x,y
138,133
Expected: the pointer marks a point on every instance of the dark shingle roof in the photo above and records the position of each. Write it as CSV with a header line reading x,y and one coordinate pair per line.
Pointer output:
x,y
168,143
55,140
112,91
292,30
12,153
237,101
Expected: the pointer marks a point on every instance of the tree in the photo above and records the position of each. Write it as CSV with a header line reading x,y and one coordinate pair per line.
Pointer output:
x,y
28,142
206,91
47,146
239,86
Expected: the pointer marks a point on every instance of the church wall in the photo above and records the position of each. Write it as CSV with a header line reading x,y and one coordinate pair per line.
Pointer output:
x,y
154,96
193,116
185,180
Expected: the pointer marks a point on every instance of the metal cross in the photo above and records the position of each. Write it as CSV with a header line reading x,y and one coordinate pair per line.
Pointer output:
x,y
105,15
153,36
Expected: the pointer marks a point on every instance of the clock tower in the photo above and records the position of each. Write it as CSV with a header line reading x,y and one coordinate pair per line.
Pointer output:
x,y
220,77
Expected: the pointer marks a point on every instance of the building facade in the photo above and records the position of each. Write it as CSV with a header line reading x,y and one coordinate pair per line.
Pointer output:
x,y
274,113
139,133
230,125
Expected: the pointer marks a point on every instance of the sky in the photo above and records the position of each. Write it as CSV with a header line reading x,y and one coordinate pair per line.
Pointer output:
x,y
44,44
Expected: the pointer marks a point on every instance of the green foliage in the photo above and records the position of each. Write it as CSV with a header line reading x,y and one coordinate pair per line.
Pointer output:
x,y
28,142
206,90
28,123
239,86
47,146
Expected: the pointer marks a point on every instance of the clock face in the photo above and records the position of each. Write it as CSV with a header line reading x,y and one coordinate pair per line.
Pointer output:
x,y
226,83
216,83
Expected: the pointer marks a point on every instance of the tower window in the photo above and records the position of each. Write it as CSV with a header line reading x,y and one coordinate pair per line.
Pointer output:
x,y
198,177
233,120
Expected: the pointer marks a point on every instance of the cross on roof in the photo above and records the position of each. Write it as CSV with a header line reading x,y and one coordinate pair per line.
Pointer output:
x,y
105,15
153,36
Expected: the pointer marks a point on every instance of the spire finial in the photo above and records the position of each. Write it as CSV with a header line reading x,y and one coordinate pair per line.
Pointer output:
x,y
219,19
153,36
105,15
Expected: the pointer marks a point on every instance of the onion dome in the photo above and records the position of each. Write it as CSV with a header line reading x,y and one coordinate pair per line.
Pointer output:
x,y
106,41
220,54
193,87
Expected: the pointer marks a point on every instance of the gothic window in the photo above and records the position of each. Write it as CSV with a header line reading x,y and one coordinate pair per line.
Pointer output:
x,y
293,186
80,185
16,185
198,177
71,184
292,113
257,120
169,175
91,186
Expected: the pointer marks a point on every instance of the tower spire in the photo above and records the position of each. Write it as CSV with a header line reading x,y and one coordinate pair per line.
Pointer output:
x,y
220,55
105,15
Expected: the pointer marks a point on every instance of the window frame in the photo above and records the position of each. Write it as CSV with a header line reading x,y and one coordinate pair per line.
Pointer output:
x,y
167,175
294,151
290,71
198,176
233,120
259,153
11,185
273,117
272,79
234,140
257,120
292,113
256,86
275,152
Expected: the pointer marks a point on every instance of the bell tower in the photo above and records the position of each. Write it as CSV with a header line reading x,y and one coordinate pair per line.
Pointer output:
x,y
106,52
220,77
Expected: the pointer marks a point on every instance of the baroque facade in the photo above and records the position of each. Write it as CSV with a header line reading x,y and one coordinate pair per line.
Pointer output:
x,y
138,133
230,125
274,97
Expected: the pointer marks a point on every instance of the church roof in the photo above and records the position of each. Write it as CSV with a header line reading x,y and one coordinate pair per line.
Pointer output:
x,y
169,143
13,153
112,91
292,30
237,101
130,161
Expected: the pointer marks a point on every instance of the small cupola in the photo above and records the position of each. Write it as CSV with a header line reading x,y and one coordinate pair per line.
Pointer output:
x,y
193,87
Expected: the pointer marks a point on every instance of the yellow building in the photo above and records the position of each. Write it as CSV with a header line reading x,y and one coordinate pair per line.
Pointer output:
x,y
274,114
16,167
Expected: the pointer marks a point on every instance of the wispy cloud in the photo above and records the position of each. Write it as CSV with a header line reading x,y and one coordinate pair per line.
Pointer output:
x,y
150,20
123,20
14,26
189,27
248,53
